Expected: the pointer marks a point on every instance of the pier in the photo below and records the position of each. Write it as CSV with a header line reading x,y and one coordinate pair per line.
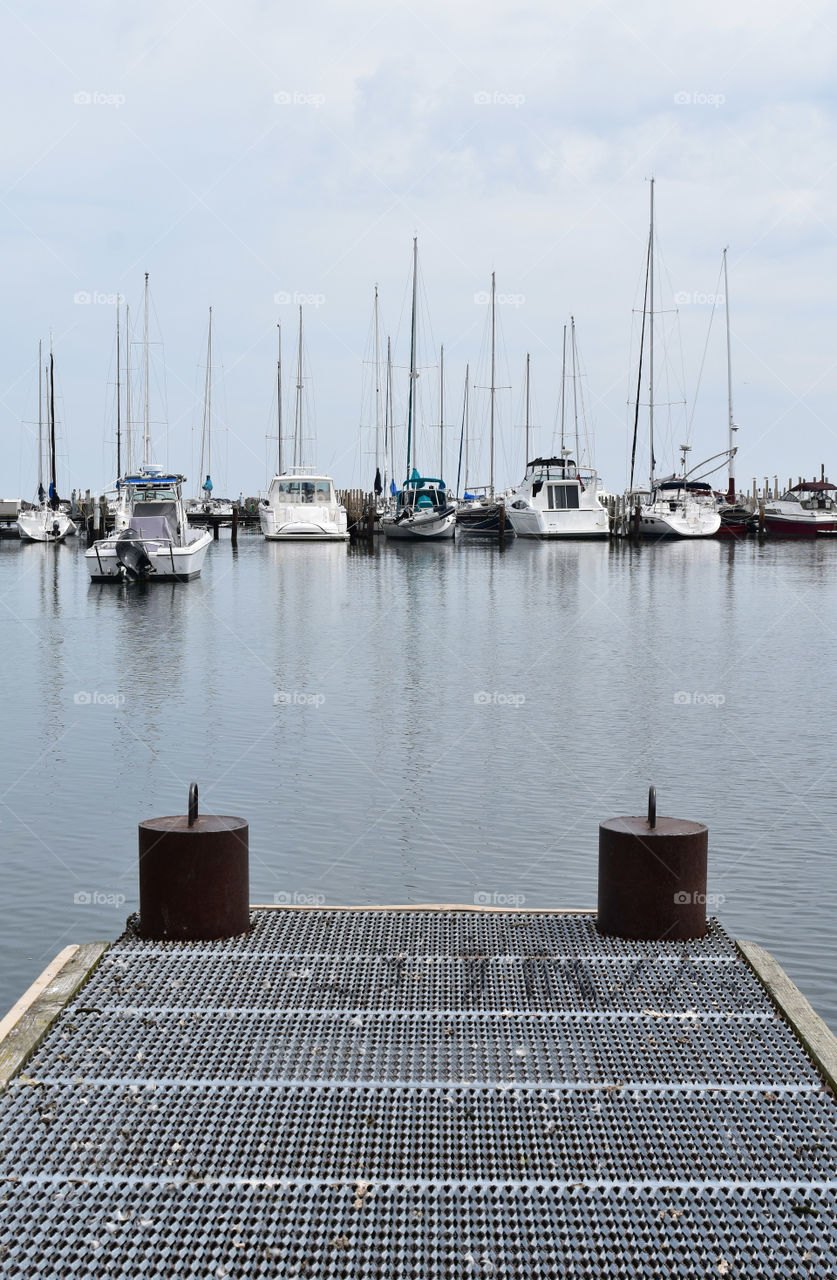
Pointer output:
x,y
418,1092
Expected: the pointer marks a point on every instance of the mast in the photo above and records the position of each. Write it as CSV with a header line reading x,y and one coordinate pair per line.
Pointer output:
x,y
563,386
388,426
127,389
118,400
732,427
651,339
298,409
53,487
441,412
526,460
378,405
206,431
40,423
491,463
411,396
575,392
467,420
146,442
279,403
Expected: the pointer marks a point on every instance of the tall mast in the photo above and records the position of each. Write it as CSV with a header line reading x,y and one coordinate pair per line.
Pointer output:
x,y
206,429
279,403
40,422
526,459
53,487
563,386
732,427
411,396
298,410
128,459
146,442
575,392
651,338
118,399
491,463
389,421
378,404
467,420
441,412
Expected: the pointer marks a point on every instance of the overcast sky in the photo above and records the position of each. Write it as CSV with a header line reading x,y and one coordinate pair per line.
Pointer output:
x,y
246,152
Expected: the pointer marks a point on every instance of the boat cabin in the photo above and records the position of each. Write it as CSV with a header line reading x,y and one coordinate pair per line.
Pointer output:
x,y
812,495
422,493
297,489
559,481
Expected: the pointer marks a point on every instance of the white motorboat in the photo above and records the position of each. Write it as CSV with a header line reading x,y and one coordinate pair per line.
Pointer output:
x,y
806,510
302,507
553,501
47,521
152,539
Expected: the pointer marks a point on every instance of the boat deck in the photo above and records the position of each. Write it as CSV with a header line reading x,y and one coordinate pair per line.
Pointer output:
x,y
423,1093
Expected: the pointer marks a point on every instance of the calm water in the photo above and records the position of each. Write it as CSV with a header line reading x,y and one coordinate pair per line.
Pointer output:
x,y
424,724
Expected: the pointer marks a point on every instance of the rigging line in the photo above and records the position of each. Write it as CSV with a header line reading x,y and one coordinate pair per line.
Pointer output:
x,y
705,349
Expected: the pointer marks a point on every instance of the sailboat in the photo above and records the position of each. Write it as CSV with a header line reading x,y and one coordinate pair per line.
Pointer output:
x,y
554,500
151,540
46,522
423,510
735,518
483,514
669,508
206,505
301,505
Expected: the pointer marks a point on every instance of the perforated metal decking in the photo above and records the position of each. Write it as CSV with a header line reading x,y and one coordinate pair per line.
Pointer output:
x,y
428,1094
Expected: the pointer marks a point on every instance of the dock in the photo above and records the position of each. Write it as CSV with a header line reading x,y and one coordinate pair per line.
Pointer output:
x,y
418,1092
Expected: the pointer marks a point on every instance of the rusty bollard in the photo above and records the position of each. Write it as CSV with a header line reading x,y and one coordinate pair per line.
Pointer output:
x,y
194,876
652,877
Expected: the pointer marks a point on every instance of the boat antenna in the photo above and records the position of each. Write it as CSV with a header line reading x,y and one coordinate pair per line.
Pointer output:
x,y
411,396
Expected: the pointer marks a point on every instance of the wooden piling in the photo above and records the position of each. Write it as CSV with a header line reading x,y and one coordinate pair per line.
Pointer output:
x,y
234,527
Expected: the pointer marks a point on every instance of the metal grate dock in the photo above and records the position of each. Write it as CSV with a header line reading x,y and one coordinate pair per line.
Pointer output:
x,y
419,1094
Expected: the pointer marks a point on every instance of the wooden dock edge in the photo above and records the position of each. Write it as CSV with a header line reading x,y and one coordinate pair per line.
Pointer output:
x,y
816,1037
27,1022
427,906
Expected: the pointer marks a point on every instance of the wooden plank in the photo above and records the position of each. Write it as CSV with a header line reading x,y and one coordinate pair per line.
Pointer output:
x,y
25,1026
429,906
817,1038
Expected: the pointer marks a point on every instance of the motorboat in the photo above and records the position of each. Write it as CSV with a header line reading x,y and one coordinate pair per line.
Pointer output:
x,y
554,501
151,539
805,511
302,506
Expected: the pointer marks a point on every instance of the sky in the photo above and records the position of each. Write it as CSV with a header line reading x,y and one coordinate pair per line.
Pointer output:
x,y
251,156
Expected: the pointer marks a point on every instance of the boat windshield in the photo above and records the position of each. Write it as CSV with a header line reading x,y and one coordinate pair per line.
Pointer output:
x,y
421,499
152,493
303,490
790,496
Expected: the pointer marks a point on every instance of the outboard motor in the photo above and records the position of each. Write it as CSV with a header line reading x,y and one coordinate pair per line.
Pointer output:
x,y
132,556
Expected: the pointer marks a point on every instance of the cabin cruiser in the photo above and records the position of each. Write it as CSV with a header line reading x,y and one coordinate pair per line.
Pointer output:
x,y
423,511
674,509
805,511
553,500
151,538
303,507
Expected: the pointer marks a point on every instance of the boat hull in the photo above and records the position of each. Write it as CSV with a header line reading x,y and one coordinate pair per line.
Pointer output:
x,y
288,523
421,528
798,526
529,522
44,526
478,521
656,523
168,564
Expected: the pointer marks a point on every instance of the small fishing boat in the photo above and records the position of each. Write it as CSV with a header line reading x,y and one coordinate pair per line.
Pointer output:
x,y
152,540
46,521
805,511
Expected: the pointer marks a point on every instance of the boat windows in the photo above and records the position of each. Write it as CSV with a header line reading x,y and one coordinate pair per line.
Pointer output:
x,y
561,497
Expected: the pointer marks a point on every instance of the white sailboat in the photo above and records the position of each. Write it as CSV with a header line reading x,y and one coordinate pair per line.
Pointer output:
x,y
46,522
666,509
554,499
481,514
423,509
151,540
301,505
